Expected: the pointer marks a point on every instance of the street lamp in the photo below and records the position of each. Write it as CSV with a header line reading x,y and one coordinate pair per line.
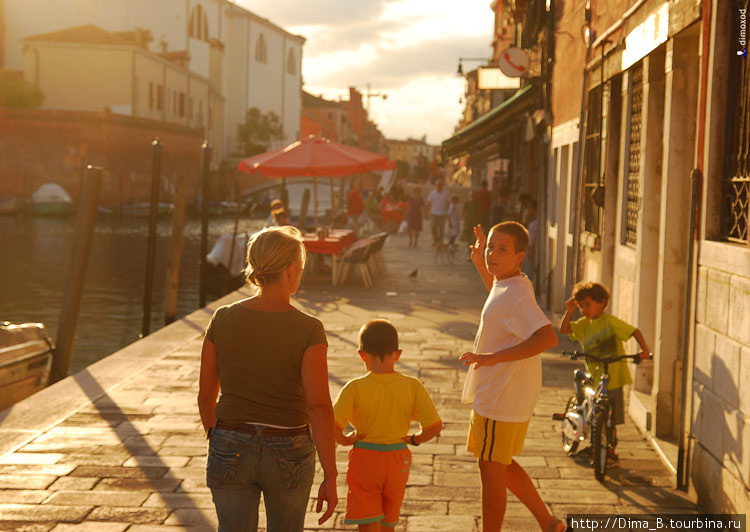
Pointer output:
x,y
460,71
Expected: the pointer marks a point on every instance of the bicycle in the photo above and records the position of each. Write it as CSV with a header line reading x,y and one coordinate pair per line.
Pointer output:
x,y
588,412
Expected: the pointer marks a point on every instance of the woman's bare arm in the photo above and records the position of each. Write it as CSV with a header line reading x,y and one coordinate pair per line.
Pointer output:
x,y
208,387
320,410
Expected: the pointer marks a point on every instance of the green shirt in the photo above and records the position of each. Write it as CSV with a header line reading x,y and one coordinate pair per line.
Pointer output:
x,y
604,337
259,356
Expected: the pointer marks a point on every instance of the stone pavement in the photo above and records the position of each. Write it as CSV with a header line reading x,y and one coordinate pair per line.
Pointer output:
x,y
119,445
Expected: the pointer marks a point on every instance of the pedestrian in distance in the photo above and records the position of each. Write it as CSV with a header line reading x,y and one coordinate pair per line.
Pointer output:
x,y
485,206
269,360
602,335
414,216
438,201
504,379
471,219
381,405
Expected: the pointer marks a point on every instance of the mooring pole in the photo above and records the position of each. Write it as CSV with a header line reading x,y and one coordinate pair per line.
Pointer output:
x,y
206,149
175,251
151,250
84,231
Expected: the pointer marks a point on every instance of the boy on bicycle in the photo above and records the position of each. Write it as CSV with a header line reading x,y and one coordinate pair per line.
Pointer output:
x,y
602,335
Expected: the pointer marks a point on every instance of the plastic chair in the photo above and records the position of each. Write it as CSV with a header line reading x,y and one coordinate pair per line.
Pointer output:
x,y
357,255
376,253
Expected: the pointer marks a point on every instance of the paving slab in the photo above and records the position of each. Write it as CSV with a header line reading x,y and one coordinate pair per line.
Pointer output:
x,y
119,446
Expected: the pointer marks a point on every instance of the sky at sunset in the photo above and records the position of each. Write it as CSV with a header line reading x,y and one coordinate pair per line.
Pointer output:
x,y
408,49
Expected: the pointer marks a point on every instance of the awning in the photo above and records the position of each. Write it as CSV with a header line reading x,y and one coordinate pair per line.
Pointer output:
x,y
490,127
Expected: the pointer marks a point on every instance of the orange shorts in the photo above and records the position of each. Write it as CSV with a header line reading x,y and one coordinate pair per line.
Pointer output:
x,y
376,476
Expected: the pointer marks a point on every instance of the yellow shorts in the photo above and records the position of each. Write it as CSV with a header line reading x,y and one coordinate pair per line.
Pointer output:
x,y
495,441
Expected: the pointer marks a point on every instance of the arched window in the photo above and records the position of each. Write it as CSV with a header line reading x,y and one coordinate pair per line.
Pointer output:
x,y
261,49
198,25
291,62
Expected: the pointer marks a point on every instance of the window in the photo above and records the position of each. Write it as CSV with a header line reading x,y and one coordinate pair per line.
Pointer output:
x,y
261,49
735,201
159,97
182,104
592,169
150,94
291,62
198,24
633,192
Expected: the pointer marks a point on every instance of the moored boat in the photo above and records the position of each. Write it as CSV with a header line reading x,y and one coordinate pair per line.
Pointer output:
x,y
25,361
51,199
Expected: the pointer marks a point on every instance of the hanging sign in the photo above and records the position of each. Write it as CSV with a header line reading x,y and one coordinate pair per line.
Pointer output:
x,y
514,62
493,78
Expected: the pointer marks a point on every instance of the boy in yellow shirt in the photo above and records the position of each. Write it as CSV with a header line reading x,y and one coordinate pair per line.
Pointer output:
x,y
602,334
381,405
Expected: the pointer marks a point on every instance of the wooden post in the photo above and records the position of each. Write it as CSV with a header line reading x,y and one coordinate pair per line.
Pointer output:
x,y
151,249
175,251
204,222
84,231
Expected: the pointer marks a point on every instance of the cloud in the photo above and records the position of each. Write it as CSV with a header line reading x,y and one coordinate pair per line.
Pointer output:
x,y
408,49
324,12
388,69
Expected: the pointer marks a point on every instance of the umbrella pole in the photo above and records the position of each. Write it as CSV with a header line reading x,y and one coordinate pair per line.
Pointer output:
x,y
315,198
333,201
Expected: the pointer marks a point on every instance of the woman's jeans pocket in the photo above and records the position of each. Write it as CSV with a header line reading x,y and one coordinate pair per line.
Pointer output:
x,y
222,465
297,471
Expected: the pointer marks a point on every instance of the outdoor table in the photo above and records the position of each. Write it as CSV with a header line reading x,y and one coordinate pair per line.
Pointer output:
x,y
334,244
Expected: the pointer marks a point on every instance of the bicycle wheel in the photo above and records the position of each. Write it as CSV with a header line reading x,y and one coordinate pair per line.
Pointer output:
x,y
570,445
599,442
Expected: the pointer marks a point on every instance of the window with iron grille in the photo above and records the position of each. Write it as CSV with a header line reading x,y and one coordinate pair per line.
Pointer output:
x,y
736,194
633,192
592,161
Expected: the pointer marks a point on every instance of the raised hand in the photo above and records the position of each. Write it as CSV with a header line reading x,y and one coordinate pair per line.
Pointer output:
x,y
480,241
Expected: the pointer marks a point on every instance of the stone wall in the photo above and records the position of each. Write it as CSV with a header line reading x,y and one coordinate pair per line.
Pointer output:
x,y
721,398
43,146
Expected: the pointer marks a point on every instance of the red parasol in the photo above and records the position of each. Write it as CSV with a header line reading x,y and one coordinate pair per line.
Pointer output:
x,y
317,157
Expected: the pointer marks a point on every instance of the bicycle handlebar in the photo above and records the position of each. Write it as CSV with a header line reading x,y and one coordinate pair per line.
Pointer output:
x,y
573,355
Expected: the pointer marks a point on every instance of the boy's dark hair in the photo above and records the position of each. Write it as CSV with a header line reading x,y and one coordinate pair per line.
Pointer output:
x,y
596,291
517,231
378,338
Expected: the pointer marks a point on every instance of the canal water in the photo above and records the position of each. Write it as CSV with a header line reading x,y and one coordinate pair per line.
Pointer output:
x,y
35,255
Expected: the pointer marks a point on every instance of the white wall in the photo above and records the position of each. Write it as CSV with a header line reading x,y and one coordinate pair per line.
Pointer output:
x,y
245,82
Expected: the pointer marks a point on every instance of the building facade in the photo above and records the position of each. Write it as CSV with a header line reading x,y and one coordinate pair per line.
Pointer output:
x,y
647,99
416,153
247,60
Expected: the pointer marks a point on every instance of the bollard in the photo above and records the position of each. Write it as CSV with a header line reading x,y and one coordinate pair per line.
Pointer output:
x,y
84,231
175,251
237,213
151,249
206,149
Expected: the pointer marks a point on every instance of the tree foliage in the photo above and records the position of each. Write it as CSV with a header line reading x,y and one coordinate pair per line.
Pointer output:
x,y
258,131
17,92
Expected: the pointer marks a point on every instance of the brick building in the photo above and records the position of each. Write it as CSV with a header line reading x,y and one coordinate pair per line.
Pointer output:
x,y
640,100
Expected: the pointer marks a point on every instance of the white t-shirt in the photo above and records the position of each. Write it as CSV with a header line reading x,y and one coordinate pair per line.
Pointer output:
x,y
439,202
507,391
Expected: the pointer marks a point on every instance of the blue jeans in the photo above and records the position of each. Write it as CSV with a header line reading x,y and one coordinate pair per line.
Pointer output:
x,y
241,466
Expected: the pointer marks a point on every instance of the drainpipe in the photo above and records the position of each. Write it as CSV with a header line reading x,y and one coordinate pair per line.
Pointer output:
x,y
577,185
688,350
